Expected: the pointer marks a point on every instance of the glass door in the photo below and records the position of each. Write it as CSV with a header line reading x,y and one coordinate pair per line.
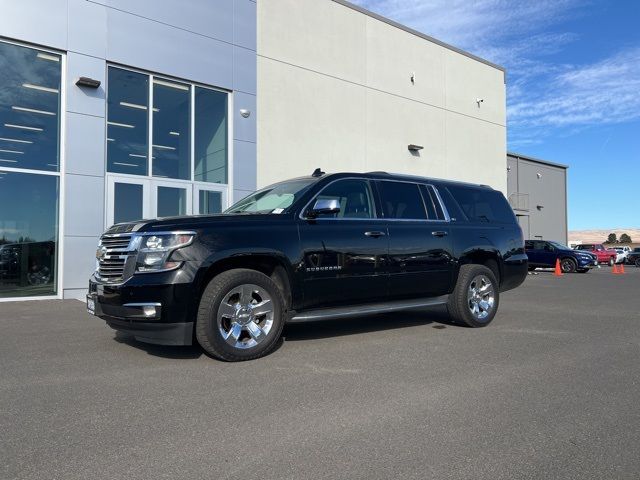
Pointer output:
x,y
171,199
127,199
209,199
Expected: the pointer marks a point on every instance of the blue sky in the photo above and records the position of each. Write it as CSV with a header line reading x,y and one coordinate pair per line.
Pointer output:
x,y
573,87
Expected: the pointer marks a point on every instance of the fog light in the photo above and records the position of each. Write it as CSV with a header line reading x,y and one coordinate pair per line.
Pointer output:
x,y
149,311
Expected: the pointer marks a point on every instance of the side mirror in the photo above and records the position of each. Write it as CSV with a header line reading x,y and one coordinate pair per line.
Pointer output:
x,y
324,206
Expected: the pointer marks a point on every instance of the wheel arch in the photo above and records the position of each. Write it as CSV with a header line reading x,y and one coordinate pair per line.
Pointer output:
x,y
273,264
490,258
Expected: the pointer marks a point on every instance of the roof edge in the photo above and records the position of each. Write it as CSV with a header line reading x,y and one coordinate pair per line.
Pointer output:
x,y
419,34
536,160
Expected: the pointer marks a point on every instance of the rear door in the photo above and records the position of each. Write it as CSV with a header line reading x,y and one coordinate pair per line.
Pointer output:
x,y
345,253
420,257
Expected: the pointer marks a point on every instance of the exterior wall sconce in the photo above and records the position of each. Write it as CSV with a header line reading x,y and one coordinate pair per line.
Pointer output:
x,y
539,175
479,101
539,207
88,82
415,148
245,113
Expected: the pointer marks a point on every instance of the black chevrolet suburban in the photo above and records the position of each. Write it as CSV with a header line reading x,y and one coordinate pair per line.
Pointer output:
x,y
323,246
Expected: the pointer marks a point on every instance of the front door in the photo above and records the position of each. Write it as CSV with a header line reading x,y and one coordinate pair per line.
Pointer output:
x,y
344,253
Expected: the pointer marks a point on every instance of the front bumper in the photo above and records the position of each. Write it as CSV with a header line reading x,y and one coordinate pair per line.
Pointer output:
x,y
155,308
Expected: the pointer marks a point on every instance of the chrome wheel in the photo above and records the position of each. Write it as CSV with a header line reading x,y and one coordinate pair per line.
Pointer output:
x,y
245,316
481,297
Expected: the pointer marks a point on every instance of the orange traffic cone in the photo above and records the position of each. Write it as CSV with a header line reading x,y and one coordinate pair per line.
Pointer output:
x,y
558,270
622,269
615,270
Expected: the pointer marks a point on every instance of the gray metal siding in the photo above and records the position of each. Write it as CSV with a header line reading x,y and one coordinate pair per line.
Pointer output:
x,y
545,186
206,41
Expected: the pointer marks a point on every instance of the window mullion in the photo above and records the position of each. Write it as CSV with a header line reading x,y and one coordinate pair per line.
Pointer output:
x,y
150,132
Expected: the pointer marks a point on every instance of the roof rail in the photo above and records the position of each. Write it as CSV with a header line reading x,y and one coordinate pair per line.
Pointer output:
x,y
379,172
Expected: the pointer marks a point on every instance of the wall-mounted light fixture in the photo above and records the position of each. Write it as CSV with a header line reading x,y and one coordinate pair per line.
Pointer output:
x,y
540,207
413,78
479,101
88,82
245,113
415,148
539,175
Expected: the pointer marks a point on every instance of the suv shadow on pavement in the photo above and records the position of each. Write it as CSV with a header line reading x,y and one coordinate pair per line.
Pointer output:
x,y
312,331
372,323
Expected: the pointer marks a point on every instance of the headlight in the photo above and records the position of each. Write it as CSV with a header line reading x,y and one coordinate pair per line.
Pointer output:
x,y
154,250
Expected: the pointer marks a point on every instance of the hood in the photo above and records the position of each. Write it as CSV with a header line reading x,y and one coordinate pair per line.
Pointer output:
x,y
187,222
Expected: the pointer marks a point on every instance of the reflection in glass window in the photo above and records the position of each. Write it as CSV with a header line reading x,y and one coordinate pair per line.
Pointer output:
x,y
210,202
127,122
29,108
210,136
28,234
172,201
127,202
171,152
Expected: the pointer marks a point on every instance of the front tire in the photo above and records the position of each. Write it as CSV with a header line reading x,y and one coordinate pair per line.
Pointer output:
x,y
612,262
475,299
241,316
638,262
568,265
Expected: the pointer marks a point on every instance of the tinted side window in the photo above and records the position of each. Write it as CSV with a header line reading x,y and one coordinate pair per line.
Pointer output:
x,y
528,245
402,200
354,197
483,205
452,206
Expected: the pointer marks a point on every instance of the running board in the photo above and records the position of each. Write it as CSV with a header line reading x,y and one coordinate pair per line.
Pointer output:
x,y
367,309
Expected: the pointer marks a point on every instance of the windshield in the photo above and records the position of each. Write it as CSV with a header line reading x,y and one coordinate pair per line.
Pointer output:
x,y
559,246
273,199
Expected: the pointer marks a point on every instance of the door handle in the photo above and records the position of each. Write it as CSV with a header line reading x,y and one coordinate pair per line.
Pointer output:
x,y
375,234
440,234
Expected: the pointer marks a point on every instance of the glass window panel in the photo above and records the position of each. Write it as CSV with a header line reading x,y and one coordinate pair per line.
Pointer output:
x,y
210,136
171,137
30,83
354,196
172,201
127,122
127,202
210,202
28,234
401,200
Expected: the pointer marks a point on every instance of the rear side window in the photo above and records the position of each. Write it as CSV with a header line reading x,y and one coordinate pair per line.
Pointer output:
x,y
483,205
402,200
455,212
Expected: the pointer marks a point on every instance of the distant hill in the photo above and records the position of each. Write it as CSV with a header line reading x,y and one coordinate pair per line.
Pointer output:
x,y
599,236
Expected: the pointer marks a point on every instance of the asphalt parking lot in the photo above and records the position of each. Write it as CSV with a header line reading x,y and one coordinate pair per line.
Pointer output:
x,y
550,390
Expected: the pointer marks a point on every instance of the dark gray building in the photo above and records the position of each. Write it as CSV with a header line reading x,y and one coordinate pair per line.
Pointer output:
x,y
537,192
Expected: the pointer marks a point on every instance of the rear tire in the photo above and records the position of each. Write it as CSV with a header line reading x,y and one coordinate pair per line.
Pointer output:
x,y
475,299
241,316
638,262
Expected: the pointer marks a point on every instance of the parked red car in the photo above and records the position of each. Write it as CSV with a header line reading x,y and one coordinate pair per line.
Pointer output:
x,y
605,255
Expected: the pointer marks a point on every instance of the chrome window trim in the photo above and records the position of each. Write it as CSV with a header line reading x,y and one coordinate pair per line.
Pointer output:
x,y
447,218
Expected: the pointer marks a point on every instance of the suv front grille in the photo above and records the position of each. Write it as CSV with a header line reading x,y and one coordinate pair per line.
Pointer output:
x,y
113,254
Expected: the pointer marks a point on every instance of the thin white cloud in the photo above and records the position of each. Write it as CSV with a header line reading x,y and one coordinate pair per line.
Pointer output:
x,y
543,95
604,92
